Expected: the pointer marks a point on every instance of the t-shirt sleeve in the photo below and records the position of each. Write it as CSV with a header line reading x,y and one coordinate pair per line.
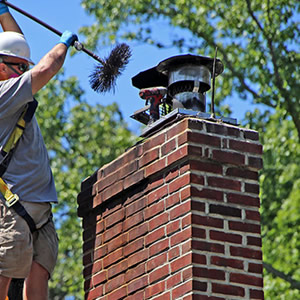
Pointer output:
x,y
14,94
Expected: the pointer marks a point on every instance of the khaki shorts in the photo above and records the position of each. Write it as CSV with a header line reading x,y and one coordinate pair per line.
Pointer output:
x,y
18,247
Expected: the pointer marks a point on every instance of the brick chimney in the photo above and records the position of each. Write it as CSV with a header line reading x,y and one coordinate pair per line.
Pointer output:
x,y
176,217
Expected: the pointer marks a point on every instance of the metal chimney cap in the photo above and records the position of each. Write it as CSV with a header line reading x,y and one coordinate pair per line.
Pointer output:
x,y
158,75
173,62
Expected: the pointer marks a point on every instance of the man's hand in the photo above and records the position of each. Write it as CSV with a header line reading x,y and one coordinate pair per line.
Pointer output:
x,y
3,8
68,38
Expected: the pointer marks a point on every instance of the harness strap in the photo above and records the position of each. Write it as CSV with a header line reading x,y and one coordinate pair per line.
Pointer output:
x,y
12,200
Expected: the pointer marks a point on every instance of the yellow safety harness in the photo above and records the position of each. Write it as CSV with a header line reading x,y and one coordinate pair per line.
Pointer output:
x,y
12,200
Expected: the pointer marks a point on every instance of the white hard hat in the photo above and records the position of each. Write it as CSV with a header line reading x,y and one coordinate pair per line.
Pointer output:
x,y
14,44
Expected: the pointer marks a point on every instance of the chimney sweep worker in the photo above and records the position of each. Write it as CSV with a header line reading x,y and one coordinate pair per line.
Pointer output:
x,y
28,240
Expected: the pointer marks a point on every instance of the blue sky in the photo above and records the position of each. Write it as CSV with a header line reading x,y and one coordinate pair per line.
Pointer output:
x,y
69,15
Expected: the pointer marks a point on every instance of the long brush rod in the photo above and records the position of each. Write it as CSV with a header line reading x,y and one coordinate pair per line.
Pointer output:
x,y
77,45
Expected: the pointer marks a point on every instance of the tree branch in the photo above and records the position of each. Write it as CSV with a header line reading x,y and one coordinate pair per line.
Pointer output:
x,y
294,284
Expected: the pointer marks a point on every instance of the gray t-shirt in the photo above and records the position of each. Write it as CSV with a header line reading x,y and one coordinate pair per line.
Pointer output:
x,y
28,174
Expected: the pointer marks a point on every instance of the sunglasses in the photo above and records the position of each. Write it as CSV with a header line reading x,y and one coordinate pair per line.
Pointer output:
x,y
21,66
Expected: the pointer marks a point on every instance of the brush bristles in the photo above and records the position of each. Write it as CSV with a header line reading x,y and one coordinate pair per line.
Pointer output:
x,y
104,76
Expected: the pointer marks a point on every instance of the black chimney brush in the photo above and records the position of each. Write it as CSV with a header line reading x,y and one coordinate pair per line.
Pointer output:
x,y
104,77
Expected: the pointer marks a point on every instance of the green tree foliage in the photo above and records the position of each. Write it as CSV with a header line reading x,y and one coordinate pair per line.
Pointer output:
x,y
258,42
80,138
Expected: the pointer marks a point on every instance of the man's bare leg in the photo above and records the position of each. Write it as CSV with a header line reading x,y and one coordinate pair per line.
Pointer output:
x,y
4,285
36,284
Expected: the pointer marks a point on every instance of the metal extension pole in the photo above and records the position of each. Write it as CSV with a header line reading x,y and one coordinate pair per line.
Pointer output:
x,y
77,44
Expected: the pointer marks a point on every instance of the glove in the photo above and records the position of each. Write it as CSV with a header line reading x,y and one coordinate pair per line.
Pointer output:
x,y
68,38
3,8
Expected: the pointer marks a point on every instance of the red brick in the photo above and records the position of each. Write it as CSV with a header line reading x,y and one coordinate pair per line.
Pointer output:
x,y
205,166
117,294
245,227
168,147
245,147
228,157
225,210
255,268
198,259
198,205
198,233
206,193
210,247
155,167
253,215
148,157
257,294
180,210
116,243
159,274
133,247
200,138
99,278
182,289
128,169
136,206
181,262
252,188
209,273
246,252
225,237
254,241
159,247
177,129
155,289
224,183
137,284
133,179
114,218
137,258
94,293
197,179
112,232
173,227
171,174
172,200
228,289
156,261
134,220
158,221
207,221
242,173
176,156
243,199
133,273
117,269
112,190
255,163
173,253
157,194
155,236
246,279
113,258
136,296
154,209
153,142
179,183
137,231
173,280
181,236
227,262
165,296
114,283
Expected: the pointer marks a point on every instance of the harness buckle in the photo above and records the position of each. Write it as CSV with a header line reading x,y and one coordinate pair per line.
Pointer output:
x,y
12,199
